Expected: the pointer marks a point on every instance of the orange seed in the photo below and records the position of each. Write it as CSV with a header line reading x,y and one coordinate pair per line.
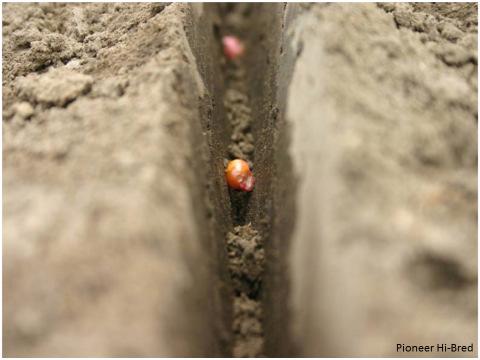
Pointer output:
x,y
239,176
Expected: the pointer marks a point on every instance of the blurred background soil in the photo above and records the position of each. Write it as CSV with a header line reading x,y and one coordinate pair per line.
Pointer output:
x,y
384,142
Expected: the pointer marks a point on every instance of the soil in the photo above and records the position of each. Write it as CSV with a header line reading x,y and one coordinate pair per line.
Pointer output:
x,y
121,237
246,264
106,247
244,245
384,145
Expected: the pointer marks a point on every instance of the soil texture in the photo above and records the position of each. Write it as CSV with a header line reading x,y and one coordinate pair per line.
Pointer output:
x,y
122,238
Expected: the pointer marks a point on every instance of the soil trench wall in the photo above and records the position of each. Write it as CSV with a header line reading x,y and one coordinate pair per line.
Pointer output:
x,y
109,239
383,113
270,65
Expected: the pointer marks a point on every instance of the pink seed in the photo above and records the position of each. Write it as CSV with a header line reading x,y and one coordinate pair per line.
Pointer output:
x,y
232,47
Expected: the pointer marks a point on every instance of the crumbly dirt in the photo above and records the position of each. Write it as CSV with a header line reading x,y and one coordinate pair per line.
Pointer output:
x,y
239,116
246,265
244,245
247,258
